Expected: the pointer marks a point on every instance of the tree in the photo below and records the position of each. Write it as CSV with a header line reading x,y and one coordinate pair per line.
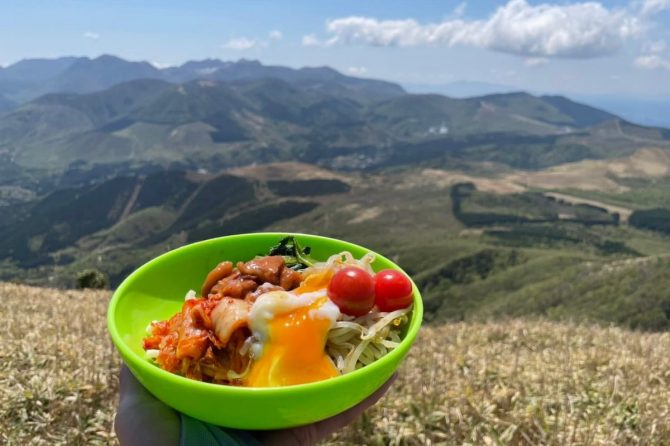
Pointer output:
x,y
92,278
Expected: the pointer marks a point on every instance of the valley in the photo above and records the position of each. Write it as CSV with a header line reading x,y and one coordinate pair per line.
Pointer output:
x,y
511,252
505,205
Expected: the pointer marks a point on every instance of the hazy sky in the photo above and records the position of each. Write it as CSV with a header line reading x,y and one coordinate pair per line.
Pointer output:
x,y
570,46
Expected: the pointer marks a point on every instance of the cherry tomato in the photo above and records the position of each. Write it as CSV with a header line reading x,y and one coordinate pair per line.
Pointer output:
x,y
393,290
352,290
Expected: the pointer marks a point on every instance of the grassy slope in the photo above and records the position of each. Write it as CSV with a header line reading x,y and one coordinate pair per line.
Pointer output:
x,y
463,273
471,276
642,193
632,292
514,382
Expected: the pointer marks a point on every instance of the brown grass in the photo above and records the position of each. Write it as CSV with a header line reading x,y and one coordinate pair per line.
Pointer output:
x,y
598,175
57,367
517,383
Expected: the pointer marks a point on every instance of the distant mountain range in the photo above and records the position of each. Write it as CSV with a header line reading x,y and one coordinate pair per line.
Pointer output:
x,y
6,105
461,89
642,110
339,123
30,78
653,111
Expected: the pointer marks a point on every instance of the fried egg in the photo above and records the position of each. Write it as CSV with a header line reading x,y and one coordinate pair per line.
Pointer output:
x,y
291,329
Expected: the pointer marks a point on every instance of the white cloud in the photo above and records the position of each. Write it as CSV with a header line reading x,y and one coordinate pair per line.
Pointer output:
x,y
91,35
459,11
649,7
579,30
161,65
654,47
536,61
652,62
357,71
246,43
242,44
310,40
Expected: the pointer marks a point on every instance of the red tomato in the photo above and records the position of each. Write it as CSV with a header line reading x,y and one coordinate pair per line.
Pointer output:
x,y
352,290
393,290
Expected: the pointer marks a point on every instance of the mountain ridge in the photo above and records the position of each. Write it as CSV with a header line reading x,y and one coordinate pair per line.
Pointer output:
x,y
31,78
242,121
6,105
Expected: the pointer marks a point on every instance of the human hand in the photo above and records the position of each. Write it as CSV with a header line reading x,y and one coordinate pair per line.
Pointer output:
x,y
315,432
143,420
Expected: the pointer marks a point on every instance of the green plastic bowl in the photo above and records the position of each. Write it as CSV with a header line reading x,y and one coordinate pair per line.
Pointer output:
x,y
156,291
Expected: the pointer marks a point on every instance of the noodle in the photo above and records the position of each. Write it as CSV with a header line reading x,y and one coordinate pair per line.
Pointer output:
x,y
387,319
365,339
234,375
357,341
352,342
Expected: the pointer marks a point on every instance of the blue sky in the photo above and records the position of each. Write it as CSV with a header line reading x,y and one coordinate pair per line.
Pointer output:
x,y
615,47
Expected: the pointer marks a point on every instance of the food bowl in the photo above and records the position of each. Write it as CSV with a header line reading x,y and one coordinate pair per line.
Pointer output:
x,y
156,291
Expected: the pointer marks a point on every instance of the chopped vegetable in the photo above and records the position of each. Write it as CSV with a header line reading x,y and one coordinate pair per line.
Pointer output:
x,y
295,256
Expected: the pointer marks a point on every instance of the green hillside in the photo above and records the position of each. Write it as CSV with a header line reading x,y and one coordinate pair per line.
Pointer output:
x,y
457,191
224,124
531,255
6,105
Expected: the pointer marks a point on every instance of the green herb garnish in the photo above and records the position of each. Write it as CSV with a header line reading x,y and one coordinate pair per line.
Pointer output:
x,y
295,256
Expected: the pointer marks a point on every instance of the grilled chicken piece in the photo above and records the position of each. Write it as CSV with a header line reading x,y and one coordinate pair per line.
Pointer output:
x,y
223,269
235,286
266,269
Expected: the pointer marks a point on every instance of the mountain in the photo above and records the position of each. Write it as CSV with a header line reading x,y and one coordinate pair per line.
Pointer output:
x,y
508,112
196,69
309,77
38,124
36,70
6,105
221,124
649,111
142,211
88,75
461,89
556,110
31,78
25,79
643,110
581,115
461,192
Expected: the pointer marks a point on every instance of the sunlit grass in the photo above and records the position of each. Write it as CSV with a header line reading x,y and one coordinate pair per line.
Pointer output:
x,y
515,382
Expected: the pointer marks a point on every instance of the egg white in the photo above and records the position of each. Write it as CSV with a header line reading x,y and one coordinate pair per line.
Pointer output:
x,y
275,303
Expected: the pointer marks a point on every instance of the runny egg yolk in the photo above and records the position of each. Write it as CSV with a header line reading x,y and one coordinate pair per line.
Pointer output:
x,y
315,282
294,351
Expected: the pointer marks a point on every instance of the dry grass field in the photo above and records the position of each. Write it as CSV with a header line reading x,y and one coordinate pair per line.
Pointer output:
x,y
516,382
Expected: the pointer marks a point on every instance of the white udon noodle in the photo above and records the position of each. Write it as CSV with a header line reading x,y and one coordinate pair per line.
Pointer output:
x,y
354,342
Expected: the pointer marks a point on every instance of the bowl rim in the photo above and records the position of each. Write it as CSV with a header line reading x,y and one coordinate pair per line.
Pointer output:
x,y
137,361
